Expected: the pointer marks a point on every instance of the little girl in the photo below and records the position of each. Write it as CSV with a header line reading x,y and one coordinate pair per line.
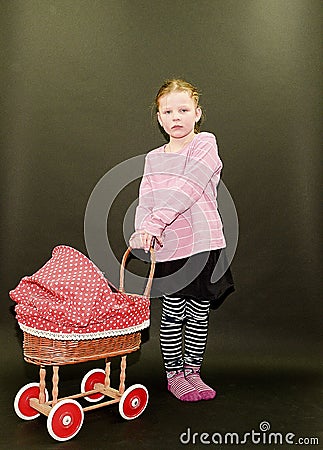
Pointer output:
x,y
177,211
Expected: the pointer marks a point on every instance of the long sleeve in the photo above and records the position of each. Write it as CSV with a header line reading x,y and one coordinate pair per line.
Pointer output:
x,y
181,186
146,201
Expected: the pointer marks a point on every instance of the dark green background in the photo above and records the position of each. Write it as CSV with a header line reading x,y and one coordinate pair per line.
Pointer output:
x,y
78,78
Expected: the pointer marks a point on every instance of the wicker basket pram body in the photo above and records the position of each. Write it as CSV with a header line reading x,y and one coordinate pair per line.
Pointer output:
x,y
44,351
49,352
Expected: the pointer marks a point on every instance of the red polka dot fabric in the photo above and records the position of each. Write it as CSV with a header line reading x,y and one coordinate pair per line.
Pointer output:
x,y
70,299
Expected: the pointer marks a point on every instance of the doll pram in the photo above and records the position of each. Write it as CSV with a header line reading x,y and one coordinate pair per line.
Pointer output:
x,y
54,337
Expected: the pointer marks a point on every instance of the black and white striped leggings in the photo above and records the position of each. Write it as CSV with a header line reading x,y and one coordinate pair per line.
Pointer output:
x,y
192,316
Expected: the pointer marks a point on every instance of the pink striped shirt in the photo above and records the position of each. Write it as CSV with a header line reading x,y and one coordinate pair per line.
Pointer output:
x,y
178,199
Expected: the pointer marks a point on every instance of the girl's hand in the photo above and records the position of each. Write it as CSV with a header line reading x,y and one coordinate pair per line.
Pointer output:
x,y
147,241
141,239
135,240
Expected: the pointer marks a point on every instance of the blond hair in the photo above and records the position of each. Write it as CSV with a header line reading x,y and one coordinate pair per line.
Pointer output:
x,y
178,84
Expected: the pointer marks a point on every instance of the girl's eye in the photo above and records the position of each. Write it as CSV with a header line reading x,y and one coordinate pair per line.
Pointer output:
x,y
183,110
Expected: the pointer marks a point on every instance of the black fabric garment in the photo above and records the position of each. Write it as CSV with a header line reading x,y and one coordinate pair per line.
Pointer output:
x,y
204,275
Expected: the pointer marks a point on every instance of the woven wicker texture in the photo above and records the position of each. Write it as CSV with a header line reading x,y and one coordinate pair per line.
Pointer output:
x,y
43,351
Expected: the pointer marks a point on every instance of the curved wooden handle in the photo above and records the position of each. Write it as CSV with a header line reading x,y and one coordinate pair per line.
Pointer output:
x,y
151,273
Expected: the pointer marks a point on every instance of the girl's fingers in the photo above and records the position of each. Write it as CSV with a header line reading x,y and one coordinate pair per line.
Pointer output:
x,y
136,241
141,239
147,241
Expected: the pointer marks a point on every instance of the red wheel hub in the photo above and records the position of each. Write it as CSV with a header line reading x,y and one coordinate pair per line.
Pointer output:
x,y
133,402
65,420
22,401
89,381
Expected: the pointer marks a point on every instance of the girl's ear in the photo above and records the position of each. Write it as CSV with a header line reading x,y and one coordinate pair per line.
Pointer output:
x,y
198,114
159,119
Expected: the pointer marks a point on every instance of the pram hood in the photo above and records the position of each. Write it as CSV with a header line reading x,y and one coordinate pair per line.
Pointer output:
x,y
69,298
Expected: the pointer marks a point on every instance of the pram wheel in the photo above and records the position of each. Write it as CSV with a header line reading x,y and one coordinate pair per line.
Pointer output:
x,y
88,382
65,420
133,402
21,403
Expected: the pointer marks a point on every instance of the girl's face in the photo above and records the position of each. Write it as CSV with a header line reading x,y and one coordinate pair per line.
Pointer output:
x,y
177,114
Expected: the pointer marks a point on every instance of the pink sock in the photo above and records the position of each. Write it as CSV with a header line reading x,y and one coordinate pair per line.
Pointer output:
x,y
192,375
181,388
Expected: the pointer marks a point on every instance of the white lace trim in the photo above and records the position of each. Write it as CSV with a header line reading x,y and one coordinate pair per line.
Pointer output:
x,y
83,336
